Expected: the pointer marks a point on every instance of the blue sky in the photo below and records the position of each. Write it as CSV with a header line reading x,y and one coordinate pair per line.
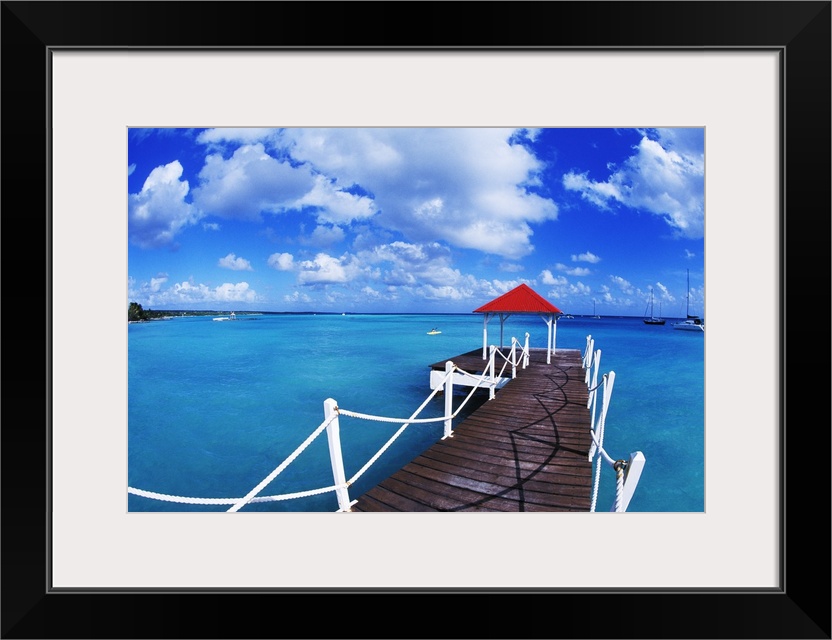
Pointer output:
x,y
410,220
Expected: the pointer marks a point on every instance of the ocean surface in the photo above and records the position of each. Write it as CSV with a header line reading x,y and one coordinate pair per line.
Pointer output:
x,y
215,407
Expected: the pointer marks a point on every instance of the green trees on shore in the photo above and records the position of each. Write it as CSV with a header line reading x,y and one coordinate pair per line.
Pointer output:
x,y
135,313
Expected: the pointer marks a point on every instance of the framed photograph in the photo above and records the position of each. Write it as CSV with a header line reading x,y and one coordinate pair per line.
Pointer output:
x,y
77,77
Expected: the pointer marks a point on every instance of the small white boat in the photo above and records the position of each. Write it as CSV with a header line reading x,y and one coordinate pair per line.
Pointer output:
x,y
691,323
434,332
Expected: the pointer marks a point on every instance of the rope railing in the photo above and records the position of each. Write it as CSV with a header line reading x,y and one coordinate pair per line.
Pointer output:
x,y
628,471
250,497
513,359
331,425
220,501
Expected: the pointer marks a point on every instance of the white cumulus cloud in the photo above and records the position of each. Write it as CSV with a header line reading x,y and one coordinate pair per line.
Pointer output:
x,y
249,183
159,211
548,278
281,261
586,257
188,294
466,187
664,176
234,263
325,269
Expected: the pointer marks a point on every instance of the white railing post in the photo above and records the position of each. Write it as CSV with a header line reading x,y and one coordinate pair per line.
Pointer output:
x,y
526,352
549,340
592,379
632,473
513,357
449,391
590,345
598,429
333,436
554,334
491,373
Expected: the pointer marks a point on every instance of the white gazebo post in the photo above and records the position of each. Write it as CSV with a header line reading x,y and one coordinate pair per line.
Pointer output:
x,y
548,339
485,335
554,333
522,299
503,318
550,336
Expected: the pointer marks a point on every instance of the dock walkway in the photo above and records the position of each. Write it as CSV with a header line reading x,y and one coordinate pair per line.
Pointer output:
x,y
525,450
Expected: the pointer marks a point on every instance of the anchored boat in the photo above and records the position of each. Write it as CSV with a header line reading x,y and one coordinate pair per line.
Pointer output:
x,y
651,319
692,323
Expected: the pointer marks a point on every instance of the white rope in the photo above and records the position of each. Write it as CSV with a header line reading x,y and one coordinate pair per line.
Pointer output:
x,y
467,398
523,352
619,485
279,469
410,420
189,500
406,421
444,379
480,376
372,460
483,378
601,450
597,484
301,494
180,499
251,496
366,416
506,358
618,465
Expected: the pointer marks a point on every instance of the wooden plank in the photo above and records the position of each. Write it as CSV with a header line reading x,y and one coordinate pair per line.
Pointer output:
x,y
504,466
524,450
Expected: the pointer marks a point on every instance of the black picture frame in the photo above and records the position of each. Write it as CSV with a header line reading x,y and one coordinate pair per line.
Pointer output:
x,y
799,608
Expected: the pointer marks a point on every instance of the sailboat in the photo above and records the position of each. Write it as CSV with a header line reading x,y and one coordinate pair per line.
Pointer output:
x,y
691,323
594,315
651,319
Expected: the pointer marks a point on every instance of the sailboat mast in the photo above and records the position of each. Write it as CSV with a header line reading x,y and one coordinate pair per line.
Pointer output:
x,y
687,297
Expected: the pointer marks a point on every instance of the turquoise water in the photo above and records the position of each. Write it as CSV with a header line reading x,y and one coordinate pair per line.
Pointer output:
x,y
215,407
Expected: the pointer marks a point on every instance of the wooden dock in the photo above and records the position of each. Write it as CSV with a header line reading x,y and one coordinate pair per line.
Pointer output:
x,y
525,450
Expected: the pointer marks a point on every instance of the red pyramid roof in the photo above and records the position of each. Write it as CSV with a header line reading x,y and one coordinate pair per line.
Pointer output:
x,y
522,299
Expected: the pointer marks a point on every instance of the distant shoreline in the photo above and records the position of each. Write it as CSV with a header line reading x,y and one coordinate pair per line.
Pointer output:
x,y
184,313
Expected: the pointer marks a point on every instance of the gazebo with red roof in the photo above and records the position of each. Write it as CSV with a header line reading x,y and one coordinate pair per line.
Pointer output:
x,y
522,299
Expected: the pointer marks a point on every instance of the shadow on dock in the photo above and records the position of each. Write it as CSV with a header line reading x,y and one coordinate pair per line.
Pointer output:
x,y
525,450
